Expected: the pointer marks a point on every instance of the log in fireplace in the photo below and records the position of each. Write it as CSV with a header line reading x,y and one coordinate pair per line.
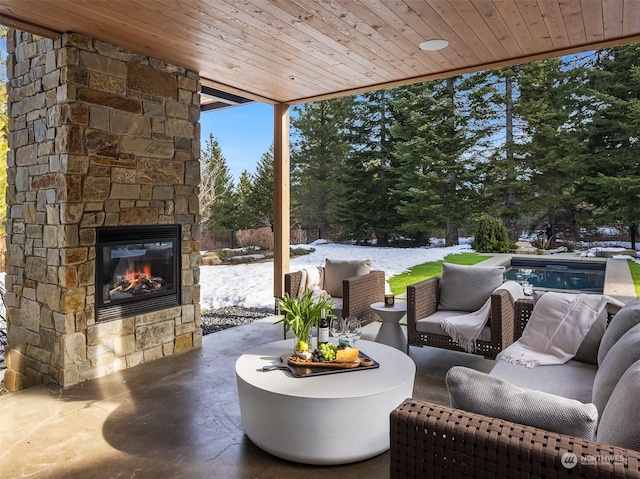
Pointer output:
x,y
137,270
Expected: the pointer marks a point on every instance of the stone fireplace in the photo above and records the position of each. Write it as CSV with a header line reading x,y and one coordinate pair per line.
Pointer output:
x,y
103,172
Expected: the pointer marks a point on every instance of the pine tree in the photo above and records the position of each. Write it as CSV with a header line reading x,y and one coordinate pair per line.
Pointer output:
x,y
436,168
367,174
260,197
316,156
610,180
244,215
546,107
216,188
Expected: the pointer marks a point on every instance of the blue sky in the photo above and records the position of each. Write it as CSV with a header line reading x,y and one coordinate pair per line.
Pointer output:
x,y
243,132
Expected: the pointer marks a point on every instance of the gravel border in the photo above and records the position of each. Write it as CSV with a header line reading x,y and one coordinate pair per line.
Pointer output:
x,y
215,320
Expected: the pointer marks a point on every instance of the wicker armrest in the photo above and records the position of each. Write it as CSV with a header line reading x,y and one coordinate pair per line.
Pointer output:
x,y
429,440
502,318
523,310
359,292
422,300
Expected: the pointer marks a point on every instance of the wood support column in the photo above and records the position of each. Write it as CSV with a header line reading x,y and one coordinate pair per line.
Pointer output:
x,y
281,202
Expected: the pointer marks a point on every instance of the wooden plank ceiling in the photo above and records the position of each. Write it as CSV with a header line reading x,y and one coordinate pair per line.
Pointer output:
x,y
292,51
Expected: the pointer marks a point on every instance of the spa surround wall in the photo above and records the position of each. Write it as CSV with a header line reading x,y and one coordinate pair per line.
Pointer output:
x,y
99,136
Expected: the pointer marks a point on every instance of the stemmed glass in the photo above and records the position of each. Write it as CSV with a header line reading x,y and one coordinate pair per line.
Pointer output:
x,y
337,328
353,329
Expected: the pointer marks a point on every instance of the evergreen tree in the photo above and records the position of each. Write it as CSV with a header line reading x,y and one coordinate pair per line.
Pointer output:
x,y
436,168
260,197
316,156
610,180
367,174
505,178
546,106
216,188
245,218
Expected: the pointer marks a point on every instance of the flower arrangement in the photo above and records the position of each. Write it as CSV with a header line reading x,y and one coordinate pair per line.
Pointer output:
x,y
301,315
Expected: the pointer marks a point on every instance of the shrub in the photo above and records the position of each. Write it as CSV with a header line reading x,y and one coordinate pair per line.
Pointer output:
x,y
298,236
490,236
541,242
260,237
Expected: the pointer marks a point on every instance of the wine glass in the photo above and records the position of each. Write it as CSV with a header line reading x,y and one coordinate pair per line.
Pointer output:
x,y
353,329
337,328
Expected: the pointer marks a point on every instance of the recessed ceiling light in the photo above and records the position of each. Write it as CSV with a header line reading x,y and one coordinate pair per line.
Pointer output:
x,y
435,44
292,78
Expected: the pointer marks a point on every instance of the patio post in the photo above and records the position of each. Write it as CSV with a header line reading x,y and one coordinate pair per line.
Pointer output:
x,y
281,203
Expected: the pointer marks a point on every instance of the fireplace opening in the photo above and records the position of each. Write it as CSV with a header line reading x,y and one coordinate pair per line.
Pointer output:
x,y
137,270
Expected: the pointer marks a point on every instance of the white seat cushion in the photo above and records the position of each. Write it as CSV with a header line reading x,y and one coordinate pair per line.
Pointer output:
x,y
573,379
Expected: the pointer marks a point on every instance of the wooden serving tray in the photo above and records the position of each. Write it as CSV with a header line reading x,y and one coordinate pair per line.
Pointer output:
x,y
304,369
294,360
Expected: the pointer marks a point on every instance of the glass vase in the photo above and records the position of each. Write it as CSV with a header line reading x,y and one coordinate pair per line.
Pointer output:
x,y
300,343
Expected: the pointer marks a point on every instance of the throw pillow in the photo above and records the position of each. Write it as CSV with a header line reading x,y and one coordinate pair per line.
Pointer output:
x,y
588,350
618,423
620,357
482,393
623,321
337,270
467,288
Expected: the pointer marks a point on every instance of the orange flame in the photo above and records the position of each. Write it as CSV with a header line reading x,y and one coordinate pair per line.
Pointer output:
x,y
134,276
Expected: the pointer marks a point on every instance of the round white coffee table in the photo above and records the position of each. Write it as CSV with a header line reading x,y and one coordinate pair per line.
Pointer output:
x,y
390,332
330,419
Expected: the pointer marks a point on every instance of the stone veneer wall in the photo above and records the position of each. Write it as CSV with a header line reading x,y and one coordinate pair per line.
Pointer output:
x,y
99,136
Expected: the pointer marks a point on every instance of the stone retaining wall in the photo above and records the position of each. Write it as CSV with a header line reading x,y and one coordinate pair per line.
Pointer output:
x,y
99,136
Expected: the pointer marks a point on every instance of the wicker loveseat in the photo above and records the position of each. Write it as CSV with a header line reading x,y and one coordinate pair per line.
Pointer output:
x,y
431,440
352,295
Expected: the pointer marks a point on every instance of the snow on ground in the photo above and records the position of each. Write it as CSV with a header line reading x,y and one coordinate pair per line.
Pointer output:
x,y
251,285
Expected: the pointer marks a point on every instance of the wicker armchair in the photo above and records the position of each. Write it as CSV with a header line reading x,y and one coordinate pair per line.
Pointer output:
x,y
422,301
433,441
358,293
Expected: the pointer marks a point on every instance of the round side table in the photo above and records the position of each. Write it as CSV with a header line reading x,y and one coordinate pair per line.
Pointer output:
x,y
330,419
390,332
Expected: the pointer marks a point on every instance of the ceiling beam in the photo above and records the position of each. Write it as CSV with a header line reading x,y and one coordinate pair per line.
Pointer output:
x,y
12,22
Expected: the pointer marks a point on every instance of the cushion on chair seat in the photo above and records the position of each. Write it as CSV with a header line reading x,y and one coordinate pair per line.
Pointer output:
x,y
467,288
337,270
431,324
573,379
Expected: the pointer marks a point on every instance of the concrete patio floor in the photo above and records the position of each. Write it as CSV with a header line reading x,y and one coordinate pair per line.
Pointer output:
x,y
175,417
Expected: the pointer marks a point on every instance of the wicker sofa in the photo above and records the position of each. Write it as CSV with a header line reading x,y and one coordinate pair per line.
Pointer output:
x,y
432,440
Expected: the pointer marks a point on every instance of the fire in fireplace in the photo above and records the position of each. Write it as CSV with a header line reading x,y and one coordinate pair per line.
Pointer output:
x,y
137,270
